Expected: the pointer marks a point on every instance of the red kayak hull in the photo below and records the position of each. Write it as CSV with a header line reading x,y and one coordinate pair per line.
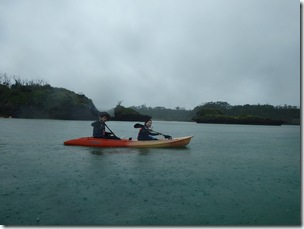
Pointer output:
x,y
100,142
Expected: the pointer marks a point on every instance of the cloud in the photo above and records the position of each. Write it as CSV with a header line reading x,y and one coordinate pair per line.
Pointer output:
x,y
161,53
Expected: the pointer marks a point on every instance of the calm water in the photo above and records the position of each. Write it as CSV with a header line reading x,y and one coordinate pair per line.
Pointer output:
x,y
228,175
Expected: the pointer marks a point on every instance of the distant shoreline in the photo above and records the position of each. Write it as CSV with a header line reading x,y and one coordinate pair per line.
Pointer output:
x,y
274,123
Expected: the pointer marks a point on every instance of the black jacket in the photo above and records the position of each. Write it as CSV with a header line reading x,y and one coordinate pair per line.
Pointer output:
x,y
145,134
99,130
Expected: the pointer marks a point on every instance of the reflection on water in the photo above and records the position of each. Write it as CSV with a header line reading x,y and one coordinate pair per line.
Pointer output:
x,y
139,151
110,150
107,151
97,152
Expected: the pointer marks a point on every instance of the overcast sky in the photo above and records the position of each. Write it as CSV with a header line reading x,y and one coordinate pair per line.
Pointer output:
x,y
157,52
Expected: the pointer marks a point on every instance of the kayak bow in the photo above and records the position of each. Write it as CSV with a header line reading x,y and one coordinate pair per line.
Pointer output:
x,y
101,142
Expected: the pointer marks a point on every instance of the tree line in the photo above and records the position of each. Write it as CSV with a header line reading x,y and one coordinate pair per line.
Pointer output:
x,y
37,99
288,114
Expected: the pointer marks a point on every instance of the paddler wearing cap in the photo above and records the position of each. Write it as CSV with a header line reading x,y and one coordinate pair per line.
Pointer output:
x,y
99,127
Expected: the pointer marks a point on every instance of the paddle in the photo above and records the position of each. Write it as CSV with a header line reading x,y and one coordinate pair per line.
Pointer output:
x,y
96,112
138,125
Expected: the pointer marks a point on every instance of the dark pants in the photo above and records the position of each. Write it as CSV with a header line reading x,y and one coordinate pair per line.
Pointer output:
x,y
109,137
147,138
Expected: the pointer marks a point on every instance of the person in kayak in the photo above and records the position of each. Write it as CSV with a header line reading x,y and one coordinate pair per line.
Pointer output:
x,y
146,132
99,127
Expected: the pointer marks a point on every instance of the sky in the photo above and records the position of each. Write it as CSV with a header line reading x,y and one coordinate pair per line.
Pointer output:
x,y
169,53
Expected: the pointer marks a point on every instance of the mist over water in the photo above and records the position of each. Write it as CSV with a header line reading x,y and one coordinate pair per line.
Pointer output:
x,y
227,175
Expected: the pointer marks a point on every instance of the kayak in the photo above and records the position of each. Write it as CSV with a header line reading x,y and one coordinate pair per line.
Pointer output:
x,y
101,142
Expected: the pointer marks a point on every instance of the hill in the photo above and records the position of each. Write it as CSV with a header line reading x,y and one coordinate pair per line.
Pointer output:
x,y
35,99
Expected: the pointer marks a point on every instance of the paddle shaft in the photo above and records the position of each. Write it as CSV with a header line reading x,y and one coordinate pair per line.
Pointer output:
x,y
137,125
110,130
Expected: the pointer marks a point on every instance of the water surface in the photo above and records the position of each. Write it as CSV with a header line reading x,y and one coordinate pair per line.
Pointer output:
x,y
227,175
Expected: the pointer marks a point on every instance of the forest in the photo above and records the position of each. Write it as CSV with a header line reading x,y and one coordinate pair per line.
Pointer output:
x,y
287,114
37,99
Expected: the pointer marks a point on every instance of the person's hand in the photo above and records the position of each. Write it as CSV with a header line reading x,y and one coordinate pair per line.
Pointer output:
x,y
167,136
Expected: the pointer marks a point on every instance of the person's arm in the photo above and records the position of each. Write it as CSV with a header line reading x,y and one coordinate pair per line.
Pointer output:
x,y
94,123
151,132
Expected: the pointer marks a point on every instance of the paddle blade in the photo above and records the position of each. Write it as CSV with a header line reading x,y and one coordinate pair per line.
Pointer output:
x,y
137,125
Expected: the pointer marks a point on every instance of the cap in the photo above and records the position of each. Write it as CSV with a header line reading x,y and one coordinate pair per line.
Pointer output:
x,y
102,114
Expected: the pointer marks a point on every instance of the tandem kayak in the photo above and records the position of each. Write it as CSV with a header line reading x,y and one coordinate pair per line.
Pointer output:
x,y
101,142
